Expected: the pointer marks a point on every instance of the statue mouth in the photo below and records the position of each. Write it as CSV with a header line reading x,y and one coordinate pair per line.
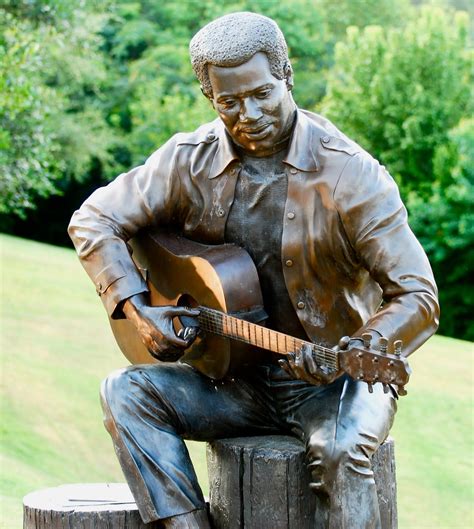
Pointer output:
x,y
256,132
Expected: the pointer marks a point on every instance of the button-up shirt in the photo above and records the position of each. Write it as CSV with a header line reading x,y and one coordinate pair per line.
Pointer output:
x,y
351,263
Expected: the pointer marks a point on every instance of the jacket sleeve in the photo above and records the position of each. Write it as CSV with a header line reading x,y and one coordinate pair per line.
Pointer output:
x,y
105,222
375,222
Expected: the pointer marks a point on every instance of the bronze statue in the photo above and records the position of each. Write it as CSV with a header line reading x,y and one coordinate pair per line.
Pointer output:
x,y
327,232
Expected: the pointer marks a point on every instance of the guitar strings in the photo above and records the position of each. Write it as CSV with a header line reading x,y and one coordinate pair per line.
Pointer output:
x,y
217,322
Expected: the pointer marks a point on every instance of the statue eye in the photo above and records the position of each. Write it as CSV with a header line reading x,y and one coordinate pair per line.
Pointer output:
x,y
263,94
227,103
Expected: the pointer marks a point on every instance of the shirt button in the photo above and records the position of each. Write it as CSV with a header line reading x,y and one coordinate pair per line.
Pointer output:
x,y
291,215
300,305
220,212
326,139
293,170
289,262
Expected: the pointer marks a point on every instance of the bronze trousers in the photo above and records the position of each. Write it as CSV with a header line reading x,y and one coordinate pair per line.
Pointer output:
x,y
150,409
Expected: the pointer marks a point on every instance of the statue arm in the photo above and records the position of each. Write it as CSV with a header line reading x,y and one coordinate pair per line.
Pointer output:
x,y
105,222
375,221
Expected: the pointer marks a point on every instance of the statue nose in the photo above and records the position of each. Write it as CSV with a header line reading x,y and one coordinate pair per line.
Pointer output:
x,y
250,110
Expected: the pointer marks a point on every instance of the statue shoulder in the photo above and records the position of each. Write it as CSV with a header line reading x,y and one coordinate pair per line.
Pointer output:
x,y
207,133
340,143
330,137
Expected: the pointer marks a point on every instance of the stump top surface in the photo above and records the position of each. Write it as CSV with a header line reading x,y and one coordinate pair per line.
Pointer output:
x,y
83,497
280,443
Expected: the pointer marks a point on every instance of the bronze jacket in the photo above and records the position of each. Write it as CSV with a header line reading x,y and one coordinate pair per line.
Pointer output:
x,y
350,261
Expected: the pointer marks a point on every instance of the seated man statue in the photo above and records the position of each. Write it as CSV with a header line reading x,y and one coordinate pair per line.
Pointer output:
x,y
328,233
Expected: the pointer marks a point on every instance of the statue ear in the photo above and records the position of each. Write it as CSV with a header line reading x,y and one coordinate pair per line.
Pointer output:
x,y
288,73
207,96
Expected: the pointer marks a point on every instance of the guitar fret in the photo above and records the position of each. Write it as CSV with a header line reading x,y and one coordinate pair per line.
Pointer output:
x,y
222,324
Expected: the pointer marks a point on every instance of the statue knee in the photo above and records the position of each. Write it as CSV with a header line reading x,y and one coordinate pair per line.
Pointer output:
x,y
116,394
329,460
322,461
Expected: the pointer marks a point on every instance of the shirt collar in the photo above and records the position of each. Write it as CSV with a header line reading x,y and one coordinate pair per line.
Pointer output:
x,y
301,153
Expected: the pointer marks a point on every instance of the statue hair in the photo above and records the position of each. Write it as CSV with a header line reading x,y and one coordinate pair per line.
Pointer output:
x,y
234,39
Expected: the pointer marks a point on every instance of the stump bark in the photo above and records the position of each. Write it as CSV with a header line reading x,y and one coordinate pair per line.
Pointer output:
x,y
262,483
83,506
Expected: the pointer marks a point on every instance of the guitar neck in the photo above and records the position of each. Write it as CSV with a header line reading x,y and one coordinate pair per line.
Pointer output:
x,y
222,324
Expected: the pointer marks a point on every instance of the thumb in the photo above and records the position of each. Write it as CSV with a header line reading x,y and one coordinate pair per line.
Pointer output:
x,y
183,311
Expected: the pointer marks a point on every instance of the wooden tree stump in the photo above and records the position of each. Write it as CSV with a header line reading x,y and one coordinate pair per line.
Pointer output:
x,y
262,483
83,506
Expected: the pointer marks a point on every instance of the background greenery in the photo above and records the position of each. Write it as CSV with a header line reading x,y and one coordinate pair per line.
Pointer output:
x,y
89,89
56,348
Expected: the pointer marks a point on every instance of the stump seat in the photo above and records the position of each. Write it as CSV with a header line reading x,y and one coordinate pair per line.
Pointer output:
x,y
83,506
262,483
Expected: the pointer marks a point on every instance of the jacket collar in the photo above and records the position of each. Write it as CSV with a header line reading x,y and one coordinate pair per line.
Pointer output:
x,y
302,151
301,154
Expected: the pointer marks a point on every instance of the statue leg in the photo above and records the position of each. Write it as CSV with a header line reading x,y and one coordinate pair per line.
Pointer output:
x,y
343,425
148,410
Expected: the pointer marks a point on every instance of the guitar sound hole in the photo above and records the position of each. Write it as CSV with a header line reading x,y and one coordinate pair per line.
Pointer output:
x,y
185,300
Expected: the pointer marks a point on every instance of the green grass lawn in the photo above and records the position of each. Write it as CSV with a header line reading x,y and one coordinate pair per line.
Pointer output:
x,y
56,347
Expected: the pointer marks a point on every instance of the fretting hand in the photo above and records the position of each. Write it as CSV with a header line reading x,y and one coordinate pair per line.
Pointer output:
x,y
302,365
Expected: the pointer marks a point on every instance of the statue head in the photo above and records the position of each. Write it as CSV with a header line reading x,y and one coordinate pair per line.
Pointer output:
x,y
234,39
242,63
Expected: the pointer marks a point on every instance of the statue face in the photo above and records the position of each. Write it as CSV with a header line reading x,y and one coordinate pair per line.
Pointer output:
x,y
256,108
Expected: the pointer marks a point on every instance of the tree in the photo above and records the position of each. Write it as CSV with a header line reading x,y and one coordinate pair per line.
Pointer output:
x,y
27,148
445,226
398,91
52,77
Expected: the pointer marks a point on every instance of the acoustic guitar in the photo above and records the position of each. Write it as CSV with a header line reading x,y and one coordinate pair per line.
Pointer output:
x,y
222,281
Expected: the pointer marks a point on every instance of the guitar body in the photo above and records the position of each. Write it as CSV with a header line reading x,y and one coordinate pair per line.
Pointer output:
x,y
183,272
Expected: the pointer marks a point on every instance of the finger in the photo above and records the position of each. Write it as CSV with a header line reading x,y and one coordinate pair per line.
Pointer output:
x,y
189,334
291,360
175,341
299,360
309,361
172,338
286,367
182,311
164,351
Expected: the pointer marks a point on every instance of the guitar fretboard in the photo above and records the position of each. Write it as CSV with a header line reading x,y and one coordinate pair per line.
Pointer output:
x,y
222,324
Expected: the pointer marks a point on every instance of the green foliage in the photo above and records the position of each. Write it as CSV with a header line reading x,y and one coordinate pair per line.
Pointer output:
x,y
51,82
27,148
445,226
399,91
361,13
